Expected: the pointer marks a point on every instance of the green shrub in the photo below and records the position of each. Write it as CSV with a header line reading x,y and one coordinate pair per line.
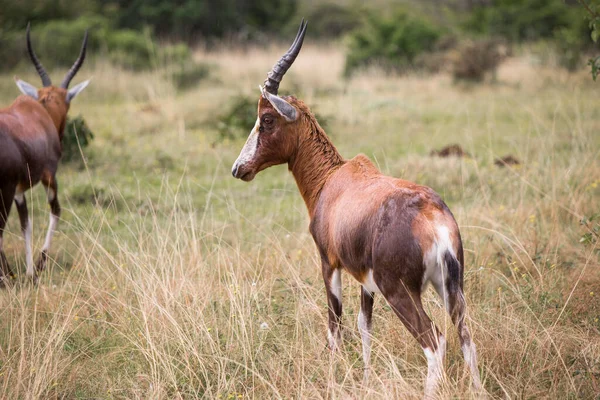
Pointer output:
x,y
390,43
238,118
57,43
476,59
569,48
11,50
179,53
331,20
77,135
518,20
189,74
130,49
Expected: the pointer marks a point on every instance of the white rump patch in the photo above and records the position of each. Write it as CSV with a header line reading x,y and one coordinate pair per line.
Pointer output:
x,y
369,283
436,270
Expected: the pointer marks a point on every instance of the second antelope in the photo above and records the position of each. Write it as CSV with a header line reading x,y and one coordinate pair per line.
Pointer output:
x,y
31,131
393,236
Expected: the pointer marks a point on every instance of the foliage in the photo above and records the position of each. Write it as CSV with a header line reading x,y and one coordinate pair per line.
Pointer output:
x,y
518,20
130,49
187,19
57,43
237,119
593,12
592,227
11,49
187,75
390,42
16,14
569,47
331,20
474,60
77,136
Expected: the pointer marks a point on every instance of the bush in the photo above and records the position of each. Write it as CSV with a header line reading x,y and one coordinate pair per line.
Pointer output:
x,y
391,43
57,43
474,60
189,74
519,20
569,48
77,135
238,118
11,50
330,20
130,49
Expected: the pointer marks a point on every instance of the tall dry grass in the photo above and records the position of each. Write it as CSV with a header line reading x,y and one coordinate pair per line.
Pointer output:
x,y
179,282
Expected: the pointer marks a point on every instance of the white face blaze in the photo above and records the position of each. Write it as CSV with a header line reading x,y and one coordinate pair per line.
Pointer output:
x,y
249,149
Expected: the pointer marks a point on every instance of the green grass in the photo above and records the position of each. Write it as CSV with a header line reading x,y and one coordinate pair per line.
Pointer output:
x,y
165,267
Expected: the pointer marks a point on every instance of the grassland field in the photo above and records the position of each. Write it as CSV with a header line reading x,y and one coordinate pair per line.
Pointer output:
x,y
170,279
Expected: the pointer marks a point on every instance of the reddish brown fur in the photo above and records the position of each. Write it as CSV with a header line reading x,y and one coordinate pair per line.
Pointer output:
x,y
30,149
365,222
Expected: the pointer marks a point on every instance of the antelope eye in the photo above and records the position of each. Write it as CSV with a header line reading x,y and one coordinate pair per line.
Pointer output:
x,y
267,120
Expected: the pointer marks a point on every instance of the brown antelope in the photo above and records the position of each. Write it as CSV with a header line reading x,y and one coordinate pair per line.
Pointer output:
x,y
31,131
393,236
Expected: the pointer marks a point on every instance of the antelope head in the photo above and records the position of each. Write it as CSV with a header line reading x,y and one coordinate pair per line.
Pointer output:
x,y
272,140
56,100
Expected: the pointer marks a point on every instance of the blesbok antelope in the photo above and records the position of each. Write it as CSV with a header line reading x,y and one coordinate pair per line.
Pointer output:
x,y
31,131
391,235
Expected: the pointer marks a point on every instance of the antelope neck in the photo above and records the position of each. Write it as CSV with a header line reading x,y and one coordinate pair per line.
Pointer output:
x,y
315,159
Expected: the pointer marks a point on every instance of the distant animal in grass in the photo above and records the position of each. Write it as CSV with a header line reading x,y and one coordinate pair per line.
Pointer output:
x,y
452,150
507,161
31,131
393,236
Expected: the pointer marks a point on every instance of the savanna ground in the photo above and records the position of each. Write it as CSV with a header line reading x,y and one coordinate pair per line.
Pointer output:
x,y
171,279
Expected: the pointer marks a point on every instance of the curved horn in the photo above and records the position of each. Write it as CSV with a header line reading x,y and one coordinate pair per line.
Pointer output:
x,y
285,62
38,65
71,73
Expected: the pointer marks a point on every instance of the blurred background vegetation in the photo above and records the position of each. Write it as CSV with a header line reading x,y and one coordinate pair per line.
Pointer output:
x,y
468,36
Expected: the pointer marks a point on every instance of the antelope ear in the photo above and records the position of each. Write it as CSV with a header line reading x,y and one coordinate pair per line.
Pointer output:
x,y
27,88
285,109
75,90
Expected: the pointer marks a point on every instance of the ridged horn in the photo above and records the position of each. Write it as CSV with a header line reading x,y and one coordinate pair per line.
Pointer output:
x,y
38,65
285,62
71,73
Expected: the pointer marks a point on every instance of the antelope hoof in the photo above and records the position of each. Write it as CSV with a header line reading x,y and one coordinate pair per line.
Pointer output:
x,y
41,264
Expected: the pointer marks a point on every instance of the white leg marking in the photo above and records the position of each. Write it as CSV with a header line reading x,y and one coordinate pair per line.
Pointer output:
x,y
53,223
369,283
332,338
249,149
365,334
435,367
470,354
19,196
335,286
28,249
